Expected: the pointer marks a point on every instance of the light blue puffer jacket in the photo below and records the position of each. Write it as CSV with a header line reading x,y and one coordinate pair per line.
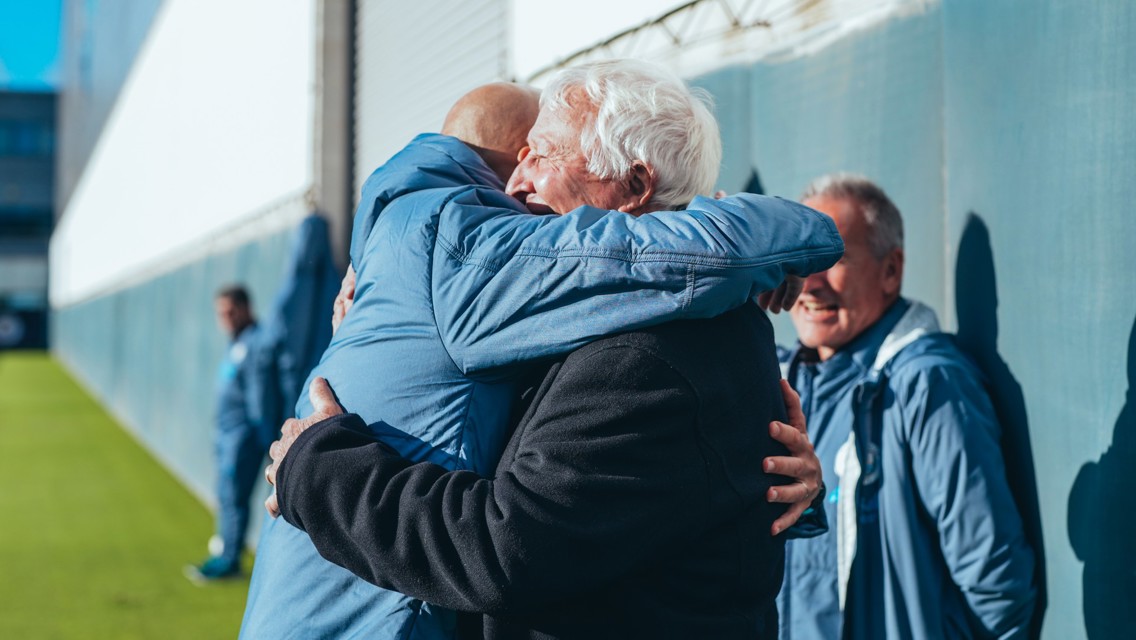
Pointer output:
x,y
925,540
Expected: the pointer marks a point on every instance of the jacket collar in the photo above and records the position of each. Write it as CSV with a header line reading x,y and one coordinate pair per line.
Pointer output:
x,y
468,161
917,321
245,333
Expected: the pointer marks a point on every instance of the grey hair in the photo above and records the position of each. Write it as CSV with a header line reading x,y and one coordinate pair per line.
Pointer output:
x,y
880,213
643,113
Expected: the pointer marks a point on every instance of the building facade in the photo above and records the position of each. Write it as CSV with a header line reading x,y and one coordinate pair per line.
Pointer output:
x,y
27,175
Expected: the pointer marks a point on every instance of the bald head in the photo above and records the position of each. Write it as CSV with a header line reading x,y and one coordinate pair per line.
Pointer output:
x,y
494,120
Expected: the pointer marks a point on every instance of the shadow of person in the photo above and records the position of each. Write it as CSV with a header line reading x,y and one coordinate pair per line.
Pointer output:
x,y
976,300
1102,524
753,184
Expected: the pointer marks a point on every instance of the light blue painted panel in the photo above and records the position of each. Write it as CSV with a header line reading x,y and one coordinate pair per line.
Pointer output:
x,y
730,90
871,104
1041,146
151,352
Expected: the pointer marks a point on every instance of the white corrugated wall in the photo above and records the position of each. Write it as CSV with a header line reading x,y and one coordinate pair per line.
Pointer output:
x,y
414,59
212,130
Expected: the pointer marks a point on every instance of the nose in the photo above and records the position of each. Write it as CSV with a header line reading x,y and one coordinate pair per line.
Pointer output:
x,y
816,282
520,183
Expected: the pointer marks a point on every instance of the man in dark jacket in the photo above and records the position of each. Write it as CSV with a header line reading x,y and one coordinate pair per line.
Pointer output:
x,y
629,502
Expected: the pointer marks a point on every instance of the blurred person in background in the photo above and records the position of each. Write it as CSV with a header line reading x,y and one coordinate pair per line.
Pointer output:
x,y
929,542
260,378
458,287
242,436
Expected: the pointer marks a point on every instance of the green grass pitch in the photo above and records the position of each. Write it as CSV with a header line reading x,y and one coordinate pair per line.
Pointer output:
x,y
93,531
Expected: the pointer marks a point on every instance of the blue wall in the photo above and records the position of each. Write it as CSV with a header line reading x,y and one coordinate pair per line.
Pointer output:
x,y
150,353
1006,133
1041,138
870,103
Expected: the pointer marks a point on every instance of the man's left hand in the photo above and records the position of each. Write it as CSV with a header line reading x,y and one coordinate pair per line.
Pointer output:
x,y
802,465
783,297
325,406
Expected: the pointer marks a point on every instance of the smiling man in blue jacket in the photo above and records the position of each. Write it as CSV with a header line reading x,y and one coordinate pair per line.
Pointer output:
x,y
928,542
461,290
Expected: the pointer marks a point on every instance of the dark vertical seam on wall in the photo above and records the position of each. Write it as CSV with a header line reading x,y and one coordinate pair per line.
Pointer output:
x,y
351,35
948,272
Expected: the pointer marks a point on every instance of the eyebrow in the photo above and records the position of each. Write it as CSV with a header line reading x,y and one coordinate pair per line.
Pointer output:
x,y
533,142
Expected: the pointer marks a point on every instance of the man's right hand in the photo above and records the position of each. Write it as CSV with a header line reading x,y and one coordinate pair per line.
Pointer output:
x,y
344,300
324,406
802,464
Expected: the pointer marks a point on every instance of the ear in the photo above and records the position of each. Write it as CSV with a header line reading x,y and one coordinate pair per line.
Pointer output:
x,y
640,189
893,272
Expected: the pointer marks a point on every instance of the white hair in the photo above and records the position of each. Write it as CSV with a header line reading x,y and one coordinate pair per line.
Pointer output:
x,y
885,224
644,114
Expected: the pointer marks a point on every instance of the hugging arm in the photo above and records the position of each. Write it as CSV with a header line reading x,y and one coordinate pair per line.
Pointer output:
x,y
511,287
590,490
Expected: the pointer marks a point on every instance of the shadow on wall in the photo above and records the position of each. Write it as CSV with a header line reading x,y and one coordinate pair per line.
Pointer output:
x,y
753,184
976,299
1102,524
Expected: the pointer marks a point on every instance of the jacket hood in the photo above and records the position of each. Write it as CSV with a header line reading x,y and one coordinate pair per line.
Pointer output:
x,y
919,320
430,161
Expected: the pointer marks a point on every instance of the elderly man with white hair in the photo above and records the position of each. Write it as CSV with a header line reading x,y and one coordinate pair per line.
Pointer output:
x,y
631,497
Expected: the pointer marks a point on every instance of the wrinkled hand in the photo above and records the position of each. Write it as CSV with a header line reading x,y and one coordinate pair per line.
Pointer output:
x,y
325,406
802,465
783,297
344,299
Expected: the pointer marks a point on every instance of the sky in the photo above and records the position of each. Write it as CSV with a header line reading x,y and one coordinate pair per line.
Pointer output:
x,y
29,34
536,45
29,44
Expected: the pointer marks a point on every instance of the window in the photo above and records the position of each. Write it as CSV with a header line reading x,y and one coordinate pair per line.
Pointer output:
x,y
26,138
